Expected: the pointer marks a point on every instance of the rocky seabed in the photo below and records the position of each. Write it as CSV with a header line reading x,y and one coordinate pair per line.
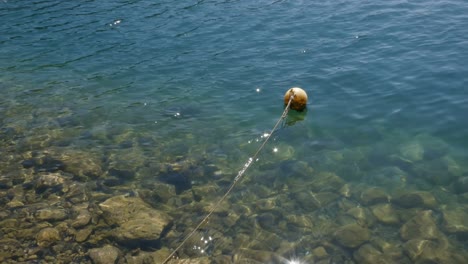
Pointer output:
x,y
62,205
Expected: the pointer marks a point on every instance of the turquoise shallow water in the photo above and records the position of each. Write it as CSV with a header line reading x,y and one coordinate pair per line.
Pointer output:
x,y
142,84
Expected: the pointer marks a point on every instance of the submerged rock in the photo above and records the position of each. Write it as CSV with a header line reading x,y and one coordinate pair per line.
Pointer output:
x,y
443,171
47,236
83,234
345,191
326,181
312,201
386,214
83,218
52,181
352,235
319,253
299,222
82,164
421,226
401,162
369,254
433,251
51,214
412,199
137,223
105,255
412,151
461,185
43,162
200,260
456,221
361,215
374,195
11,249
245,255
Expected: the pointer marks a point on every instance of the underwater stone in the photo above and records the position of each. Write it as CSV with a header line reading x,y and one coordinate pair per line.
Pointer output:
x,y
111,181
313,201
319,253
51,214
391,250
164,191
10,249
326,181
9,223
401,162
182,181
15,203
76,192
421,226
82,164
461,185
143,257
121,174
83,234
433,147
426,251
456,221
374,195
83,218
158,193
200,260
434,172
361,215
105,255
300,221
137,221
452,166
267,221
267,204
412,199
412,151
352,235
6,182
369,254
47,236
49,180
345,191
205,192
48,164
245,255
386,214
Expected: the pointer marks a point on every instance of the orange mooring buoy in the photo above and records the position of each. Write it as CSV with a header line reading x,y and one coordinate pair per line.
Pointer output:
x,y
299,101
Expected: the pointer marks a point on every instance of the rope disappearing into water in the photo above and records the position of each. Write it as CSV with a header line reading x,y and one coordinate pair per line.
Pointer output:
x,y
236,179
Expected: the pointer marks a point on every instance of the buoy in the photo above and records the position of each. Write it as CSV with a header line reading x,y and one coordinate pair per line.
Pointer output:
x,y
299,101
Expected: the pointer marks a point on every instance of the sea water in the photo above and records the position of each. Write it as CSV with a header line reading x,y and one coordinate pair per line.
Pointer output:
x,y
181,93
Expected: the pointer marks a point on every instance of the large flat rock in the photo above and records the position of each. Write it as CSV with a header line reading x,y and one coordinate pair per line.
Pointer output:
x,y
136,221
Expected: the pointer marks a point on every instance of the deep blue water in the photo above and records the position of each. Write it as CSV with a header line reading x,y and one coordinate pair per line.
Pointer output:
x,y
205,78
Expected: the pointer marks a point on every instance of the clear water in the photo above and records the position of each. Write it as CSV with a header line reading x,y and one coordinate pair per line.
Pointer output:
x,y
157,82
